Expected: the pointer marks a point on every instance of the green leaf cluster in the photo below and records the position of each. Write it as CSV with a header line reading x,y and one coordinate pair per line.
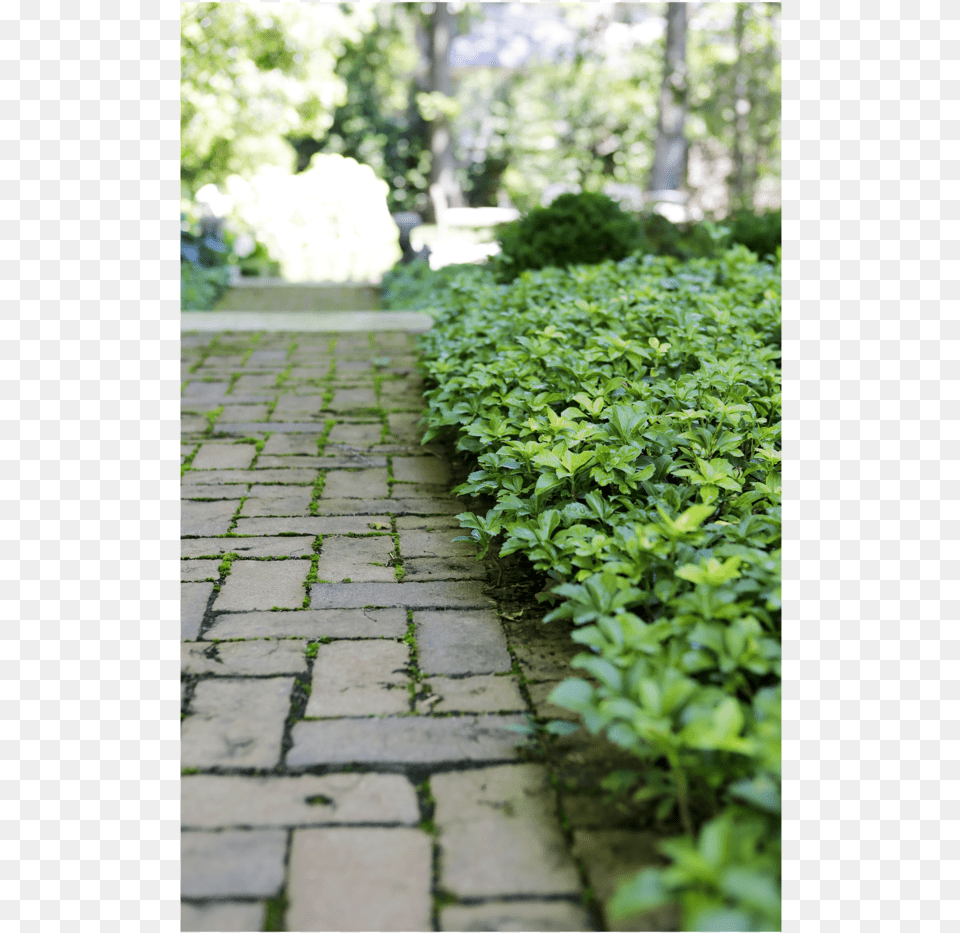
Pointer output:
x,y
624,419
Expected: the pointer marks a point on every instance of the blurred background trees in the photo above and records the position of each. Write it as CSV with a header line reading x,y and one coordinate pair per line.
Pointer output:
x,y
486,104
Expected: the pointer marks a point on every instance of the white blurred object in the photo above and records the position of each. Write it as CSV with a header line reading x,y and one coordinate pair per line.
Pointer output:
x,y
330,223
479,216
244,245
213,201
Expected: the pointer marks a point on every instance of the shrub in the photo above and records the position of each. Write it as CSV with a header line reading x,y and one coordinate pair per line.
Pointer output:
x,y
760,233
583,228
201,287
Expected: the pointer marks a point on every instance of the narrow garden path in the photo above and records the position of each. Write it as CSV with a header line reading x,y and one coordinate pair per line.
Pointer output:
x,y
348,671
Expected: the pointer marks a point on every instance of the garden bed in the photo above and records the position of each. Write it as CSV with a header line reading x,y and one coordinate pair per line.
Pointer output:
x,y
623,421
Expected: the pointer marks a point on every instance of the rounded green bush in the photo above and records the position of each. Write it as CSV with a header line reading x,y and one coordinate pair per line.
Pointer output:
x,y
585,228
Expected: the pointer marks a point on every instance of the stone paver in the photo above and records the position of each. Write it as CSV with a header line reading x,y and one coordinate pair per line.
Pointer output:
x,y
235,723
228,477
410,740
199,570
391,506
190,490
206,518
248,547
339,460
466,595
210,801
355,484
255,584
315,525
193,604
312,623
224,457
232,863
360,879
255,658
360,678
360,434
500,834
277,500
461,643
515,915
440,568
293,443
216,917
361,560
483,694
421,470
436,544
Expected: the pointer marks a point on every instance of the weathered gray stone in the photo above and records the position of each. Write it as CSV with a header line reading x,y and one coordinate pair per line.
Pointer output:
x,y
436,544
458,595
273,427
252,658
248,547
191,490
240,917
265,355
345,400
235,724
199,570
544,650
209,801
500,835
360,678
277,500
314,525
482,694
515,915
236,413
610,858
232,863
389,506
356,559
299,404
249,382
205,390
256,584
192,424
436,568
342,460
406,427
442,524
355,484
206,518
224,457
461,643
360,879
430,470
214,477
293,443
407,740
312,623
362,435
193,604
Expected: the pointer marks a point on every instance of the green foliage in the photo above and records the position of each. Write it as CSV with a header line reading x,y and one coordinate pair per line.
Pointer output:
x,y
625,421
414,286
201,287
576,228
760,233
251,75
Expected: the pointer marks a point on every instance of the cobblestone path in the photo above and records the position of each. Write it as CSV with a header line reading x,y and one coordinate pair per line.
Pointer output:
x,y
347,678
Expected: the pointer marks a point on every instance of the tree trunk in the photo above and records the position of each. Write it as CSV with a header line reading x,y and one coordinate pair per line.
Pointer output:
x,y
444,190
738,175
670,156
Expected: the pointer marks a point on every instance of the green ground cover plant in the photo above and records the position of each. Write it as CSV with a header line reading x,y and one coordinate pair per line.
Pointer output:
x,y
624,420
